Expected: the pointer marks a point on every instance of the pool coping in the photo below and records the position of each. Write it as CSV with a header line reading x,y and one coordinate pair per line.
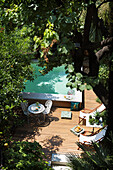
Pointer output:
x,y
55,97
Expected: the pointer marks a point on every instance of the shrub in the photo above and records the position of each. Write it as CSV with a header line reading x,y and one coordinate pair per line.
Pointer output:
x,y
24,155
14,69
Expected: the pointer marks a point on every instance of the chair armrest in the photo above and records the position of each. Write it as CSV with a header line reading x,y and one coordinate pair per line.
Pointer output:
x,y
85,110
85,133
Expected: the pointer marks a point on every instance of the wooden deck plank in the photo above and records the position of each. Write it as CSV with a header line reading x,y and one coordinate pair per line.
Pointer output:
x,y
56,137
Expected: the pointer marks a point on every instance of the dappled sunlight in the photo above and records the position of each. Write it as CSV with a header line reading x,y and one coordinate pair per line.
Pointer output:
x,y
51,145
54,135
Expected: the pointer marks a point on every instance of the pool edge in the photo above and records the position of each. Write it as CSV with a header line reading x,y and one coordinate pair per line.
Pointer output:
x,y
55,97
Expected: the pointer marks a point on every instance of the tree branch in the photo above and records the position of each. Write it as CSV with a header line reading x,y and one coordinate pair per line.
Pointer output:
x,y
102,93
107,41
105,50
106,44
90,11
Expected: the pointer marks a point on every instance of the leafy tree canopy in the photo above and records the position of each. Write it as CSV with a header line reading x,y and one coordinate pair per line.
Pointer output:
x,y
78,28
14,69
73,33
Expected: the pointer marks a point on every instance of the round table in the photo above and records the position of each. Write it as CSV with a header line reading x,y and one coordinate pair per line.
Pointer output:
x,y
33,108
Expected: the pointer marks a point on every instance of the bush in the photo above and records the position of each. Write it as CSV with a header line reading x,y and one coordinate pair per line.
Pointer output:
x,y
99,156
14,69
24,155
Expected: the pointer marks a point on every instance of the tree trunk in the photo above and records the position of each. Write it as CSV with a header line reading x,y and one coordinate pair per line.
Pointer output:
x,y
106,96
110,103
102,93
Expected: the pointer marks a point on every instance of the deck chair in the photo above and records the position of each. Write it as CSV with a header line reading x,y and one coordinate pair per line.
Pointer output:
x,y
94,137
48,105
85,113
24,106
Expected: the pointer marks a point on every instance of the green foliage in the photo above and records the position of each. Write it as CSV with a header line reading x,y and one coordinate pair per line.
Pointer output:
x,y
30,26
70,68
104,12
24,155
98,100
76,80
48,35
99,157
104,74
14,69
58,20
96,118
91,120
104,116
95,33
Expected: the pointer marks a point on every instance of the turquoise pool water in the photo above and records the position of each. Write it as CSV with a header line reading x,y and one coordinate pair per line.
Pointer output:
x,y
54,82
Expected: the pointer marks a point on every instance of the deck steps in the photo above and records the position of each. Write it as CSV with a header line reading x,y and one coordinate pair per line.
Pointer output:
x,y
61,168
60,161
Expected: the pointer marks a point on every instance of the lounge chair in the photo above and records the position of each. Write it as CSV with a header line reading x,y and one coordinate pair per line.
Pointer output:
x,y
85,113
94,137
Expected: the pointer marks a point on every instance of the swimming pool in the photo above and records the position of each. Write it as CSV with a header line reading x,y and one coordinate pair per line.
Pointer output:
x,y
54,82
51,86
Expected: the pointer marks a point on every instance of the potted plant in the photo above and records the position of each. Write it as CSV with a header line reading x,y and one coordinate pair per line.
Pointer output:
x,y
97,115
91,120
97,121
37,103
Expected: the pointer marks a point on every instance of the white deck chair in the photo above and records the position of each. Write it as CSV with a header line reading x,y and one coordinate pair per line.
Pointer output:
x,y
101,108
47,110
85,113
48,103
95,137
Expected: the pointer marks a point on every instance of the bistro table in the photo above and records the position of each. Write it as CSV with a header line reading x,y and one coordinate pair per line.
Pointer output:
x,y
36,109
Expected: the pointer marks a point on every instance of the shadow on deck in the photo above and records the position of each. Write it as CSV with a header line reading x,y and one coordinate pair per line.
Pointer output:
x,y
55,136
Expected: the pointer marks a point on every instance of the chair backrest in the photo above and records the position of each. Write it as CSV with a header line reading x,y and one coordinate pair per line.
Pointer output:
x,y
48,103
24,106
101,108
86,114
96,137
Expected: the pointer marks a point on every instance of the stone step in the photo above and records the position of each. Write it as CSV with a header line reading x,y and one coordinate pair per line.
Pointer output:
x,y
61,168
60,159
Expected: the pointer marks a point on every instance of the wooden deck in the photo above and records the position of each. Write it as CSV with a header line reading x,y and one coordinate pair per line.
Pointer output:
x,y
56,137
